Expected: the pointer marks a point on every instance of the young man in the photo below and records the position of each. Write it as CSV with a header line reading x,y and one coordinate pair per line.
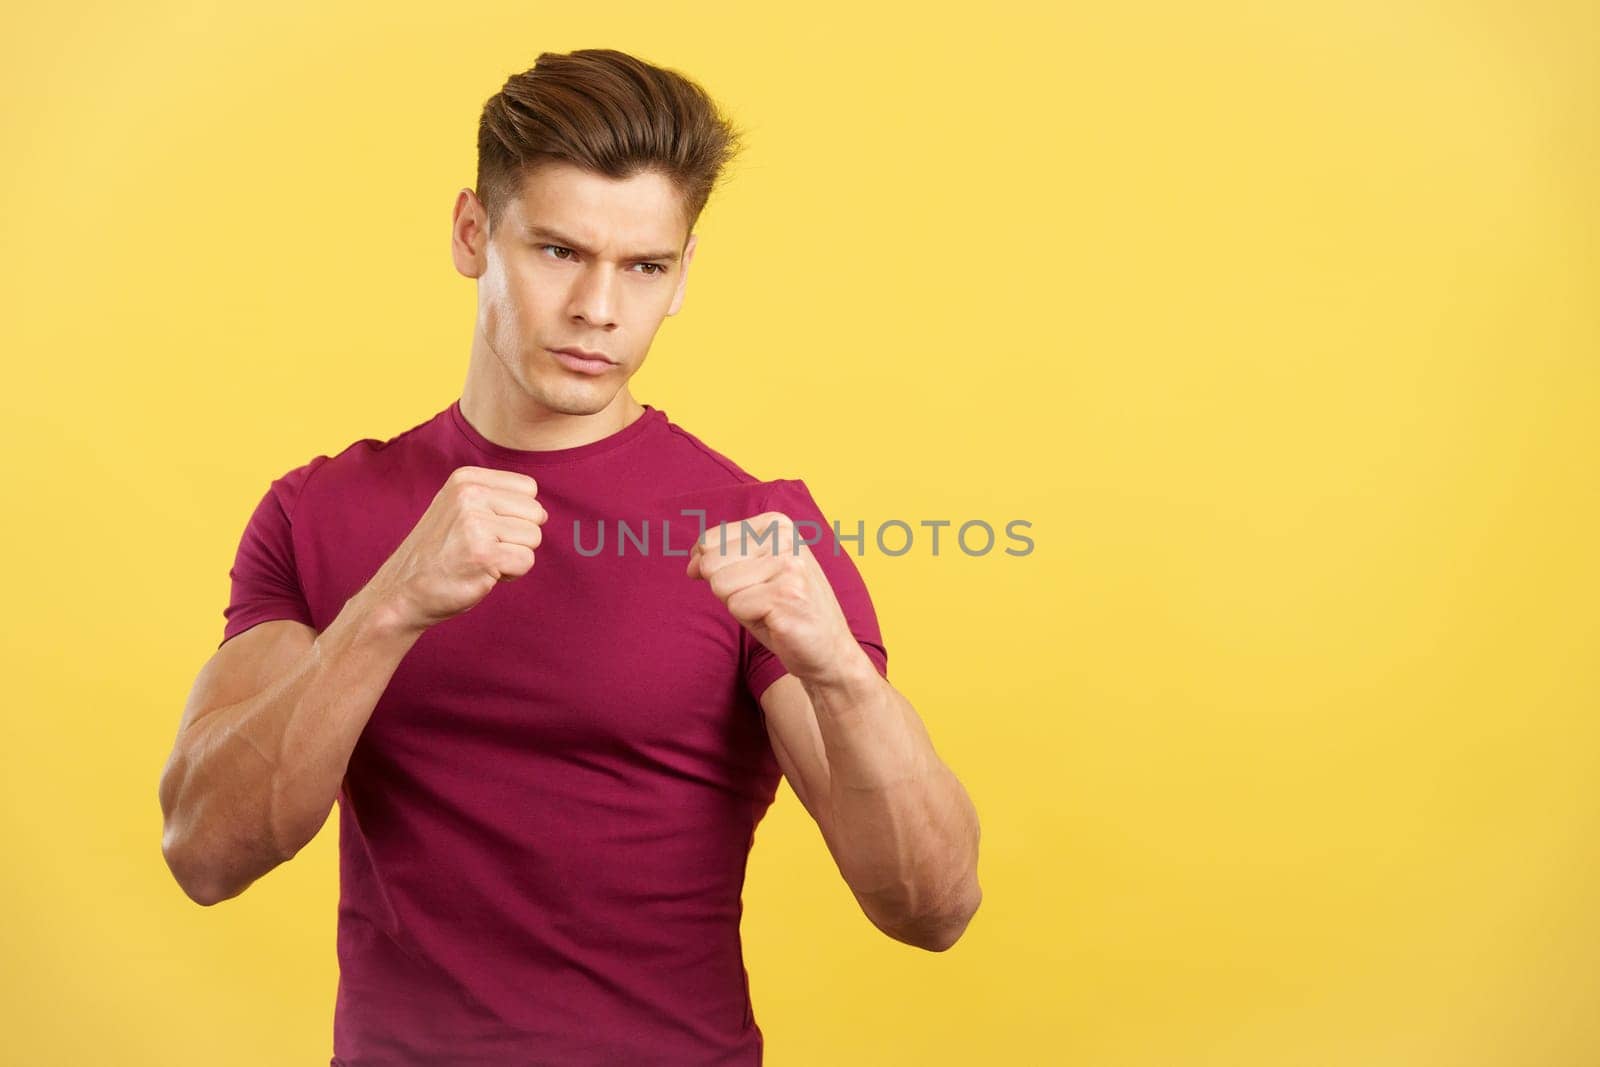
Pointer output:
x,y
549,776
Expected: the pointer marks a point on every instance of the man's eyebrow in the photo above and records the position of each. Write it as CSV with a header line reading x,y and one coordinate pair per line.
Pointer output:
x,y
545,233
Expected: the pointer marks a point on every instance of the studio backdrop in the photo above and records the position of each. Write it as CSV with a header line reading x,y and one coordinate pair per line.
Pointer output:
x,y
1273,326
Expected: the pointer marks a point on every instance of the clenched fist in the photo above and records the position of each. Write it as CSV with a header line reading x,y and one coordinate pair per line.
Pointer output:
x,y
481,529
770,581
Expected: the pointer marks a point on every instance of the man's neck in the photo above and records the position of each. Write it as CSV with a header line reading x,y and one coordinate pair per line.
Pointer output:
x,y
511,419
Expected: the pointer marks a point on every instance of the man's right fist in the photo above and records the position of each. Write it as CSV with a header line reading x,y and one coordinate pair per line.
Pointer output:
x,y
481,529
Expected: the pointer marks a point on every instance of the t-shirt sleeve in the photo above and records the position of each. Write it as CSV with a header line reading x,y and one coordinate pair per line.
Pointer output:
x,y
792,498
266,580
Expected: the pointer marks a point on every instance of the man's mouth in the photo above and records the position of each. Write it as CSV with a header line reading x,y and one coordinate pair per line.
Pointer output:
x,y
582,360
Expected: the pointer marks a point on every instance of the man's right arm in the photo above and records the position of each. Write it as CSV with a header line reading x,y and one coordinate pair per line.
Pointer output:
x,y
265,738
274,715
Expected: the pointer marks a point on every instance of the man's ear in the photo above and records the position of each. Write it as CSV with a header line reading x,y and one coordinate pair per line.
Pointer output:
x,y
469,235
683,275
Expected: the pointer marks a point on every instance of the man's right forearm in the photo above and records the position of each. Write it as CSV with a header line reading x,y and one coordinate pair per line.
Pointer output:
x,y
250,784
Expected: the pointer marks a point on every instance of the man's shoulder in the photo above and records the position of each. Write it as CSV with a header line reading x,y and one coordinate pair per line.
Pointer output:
x,y
702,464
361,462
707,477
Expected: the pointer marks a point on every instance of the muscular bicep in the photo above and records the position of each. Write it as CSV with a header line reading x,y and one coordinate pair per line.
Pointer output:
x,y
797,743
246,665
243,667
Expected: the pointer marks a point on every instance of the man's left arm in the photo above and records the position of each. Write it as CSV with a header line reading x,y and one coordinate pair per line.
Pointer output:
x,y
897,821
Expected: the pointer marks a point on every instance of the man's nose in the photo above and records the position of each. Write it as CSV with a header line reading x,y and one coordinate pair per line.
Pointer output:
x,y
593,297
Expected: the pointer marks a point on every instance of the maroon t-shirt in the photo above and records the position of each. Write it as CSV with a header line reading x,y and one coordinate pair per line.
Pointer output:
x,y
544,827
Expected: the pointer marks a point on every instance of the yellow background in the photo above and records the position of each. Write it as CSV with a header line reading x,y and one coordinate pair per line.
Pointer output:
x,y
1277,321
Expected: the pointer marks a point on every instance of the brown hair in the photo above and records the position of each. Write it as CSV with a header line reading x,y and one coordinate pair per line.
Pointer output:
x,y
608,112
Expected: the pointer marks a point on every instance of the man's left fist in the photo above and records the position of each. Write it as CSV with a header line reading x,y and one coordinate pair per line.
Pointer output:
x,y
763,570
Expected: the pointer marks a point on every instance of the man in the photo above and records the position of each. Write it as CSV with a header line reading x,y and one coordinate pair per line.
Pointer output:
x,y
549,773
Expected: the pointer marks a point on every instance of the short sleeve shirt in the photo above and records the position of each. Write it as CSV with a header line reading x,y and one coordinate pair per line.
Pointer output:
x,y
544,827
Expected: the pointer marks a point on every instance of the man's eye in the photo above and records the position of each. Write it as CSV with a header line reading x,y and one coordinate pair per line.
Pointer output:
x,y
654,268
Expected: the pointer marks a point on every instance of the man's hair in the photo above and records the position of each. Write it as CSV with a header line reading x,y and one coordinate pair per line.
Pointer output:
x,y
607,112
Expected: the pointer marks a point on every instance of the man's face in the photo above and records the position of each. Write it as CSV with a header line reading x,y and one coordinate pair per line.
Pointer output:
x,y
581,261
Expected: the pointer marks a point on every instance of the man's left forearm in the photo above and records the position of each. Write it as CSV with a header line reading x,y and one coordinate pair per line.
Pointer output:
x,y
901,826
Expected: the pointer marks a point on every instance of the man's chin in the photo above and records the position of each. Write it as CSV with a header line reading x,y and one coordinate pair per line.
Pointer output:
x,y
577,398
